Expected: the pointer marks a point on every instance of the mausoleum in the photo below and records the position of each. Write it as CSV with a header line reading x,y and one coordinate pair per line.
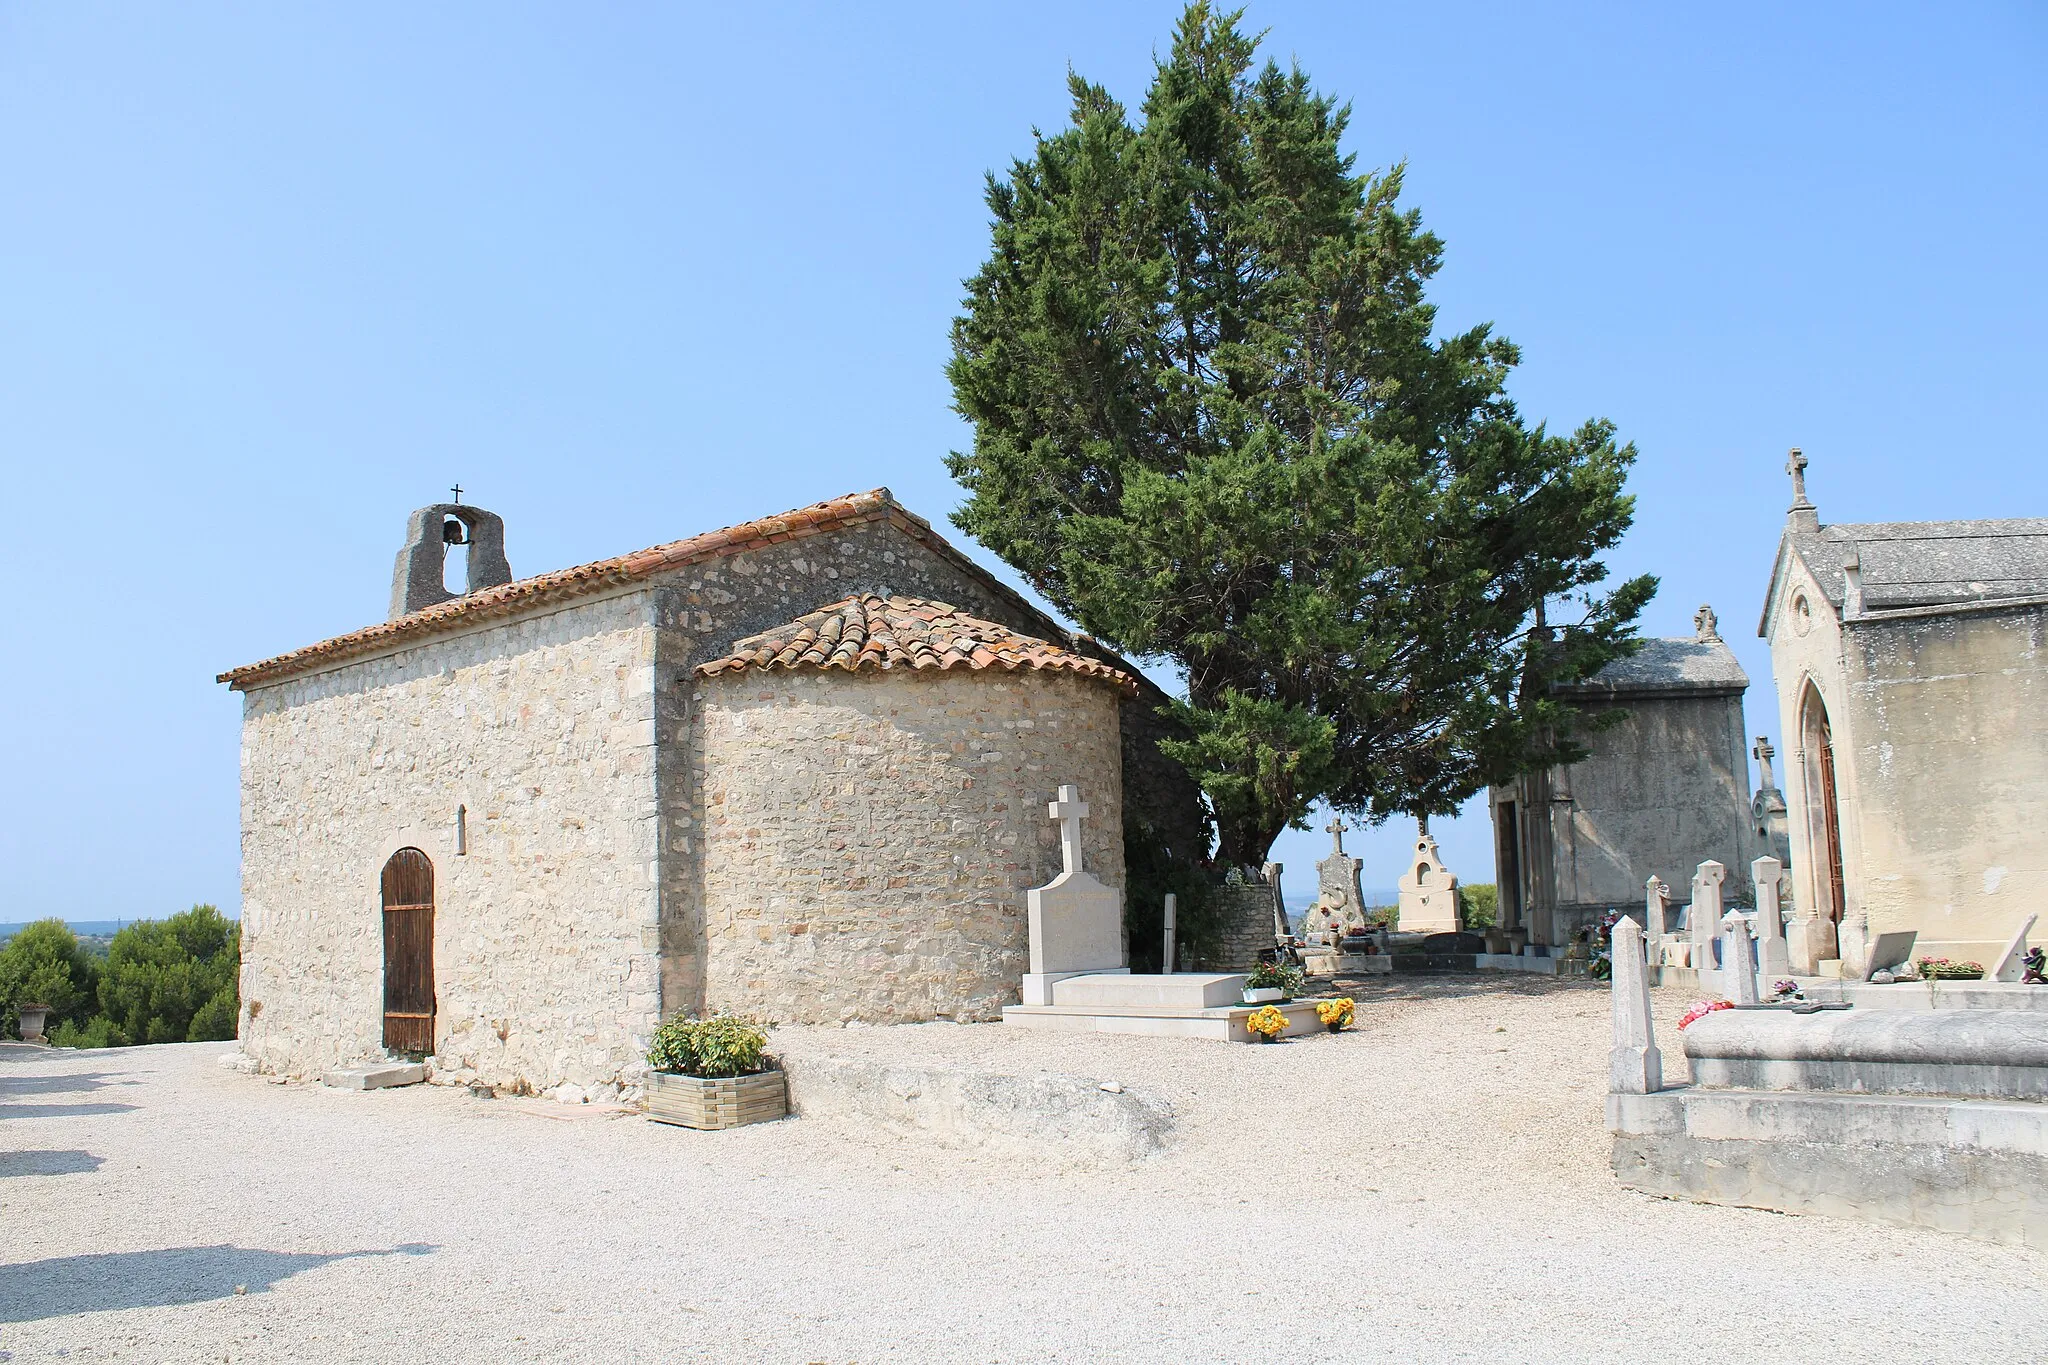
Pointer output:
x,y
796,767
1912,663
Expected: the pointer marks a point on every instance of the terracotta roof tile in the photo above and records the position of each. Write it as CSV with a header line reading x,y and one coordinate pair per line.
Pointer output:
x,y
510,599
870,633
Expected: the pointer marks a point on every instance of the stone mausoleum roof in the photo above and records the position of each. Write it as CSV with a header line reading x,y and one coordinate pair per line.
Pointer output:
x,y
870,633
1906,564
1692,666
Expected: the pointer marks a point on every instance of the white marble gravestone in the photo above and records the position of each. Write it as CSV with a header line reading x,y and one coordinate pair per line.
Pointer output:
x,y
1429,893
2011,965
1738,968
1773,957
1076,922
1634,1065
1703,917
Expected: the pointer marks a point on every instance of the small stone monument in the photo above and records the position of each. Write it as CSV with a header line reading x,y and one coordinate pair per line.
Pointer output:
x,y
1738,968
1634,1066
1703,916
1429,893
1076,923
1656,914
2012,963
1337,888
1774,959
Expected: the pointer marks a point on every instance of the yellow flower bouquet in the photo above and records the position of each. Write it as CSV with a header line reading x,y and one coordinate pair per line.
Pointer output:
x,y
1267,1022
1335,1014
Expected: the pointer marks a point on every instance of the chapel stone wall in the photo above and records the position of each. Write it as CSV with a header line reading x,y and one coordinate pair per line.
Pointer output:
x,y
868,838
541,732
702,609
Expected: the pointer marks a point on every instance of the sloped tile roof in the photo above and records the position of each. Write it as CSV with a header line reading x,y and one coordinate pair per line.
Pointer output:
x,y
1687,664
869,632
525,594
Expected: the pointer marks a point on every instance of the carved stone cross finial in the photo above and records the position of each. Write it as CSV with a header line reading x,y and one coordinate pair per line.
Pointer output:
x,y
1764,754
1705,624
1335,829
1070,810
1795,465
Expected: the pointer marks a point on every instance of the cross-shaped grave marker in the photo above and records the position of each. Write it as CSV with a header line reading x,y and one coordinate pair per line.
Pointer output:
x,y
1070,810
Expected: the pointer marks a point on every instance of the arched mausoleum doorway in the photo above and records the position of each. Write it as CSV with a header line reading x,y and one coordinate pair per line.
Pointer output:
x,y
1823,808
408,887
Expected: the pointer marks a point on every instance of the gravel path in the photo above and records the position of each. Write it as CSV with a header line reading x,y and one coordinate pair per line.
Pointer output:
x,y
1432,1186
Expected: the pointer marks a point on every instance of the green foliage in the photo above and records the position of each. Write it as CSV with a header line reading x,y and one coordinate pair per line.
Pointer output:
x,y
174,980
1262,763
1268,974
1213,423
723,1045
97,1031
1151,870
43,964
1478,905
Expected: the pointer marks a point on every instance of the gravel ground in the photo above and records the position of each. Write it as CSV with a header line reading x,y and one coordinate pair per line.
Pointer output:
x,y
1432,1186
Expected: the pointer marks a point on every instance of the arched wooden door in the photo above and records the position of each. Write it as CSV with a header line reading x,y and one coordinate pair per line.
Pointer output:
x,y
1823,805
409,952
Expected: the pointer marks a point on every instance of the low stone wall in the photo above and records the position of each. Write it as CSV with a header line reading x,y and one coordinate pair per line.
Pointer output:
x,y
1246,913
1979,1054
1069,1118
1976,1167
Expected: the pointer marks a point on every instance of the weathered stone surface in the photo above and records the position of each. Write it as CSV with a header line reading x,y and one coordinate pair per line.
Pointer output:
x,y
381,1077
1252,915
1044,1116
1974,1167
1429,892
1634,1064
1984,1054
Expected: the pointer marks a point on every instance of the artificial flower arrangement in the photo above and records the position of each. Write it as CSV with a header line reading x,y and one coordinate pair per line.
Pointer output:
x,y
2034,968
1941,969
1703,1009
1335,1014
1786,989
1274,976
1267,1022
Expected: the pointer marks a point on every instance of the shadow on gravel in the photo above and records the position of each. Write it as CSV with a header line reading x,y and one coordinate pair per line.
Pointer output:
x,y
82,1083
48,1163
1445,985
62,1111
65,1285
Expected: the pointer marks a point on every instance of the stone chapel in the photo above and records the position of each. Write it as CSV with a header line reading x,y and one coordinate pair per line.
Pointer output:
x,y
1912,667
796,768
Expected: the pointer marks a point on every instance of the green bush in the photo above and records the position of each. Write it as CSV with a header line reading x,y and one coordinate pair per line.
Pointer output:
x,y
174,980
43,964
1479,905
723,1045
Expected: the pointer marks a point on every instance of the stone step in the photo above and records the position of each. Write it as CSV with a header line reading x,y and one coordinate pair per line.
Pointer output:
x,y
1180,990
381,1076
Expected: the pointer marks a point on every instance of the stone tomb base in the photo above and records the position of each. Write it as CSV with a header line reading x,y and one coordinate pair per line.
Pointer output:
x,y
1179,1005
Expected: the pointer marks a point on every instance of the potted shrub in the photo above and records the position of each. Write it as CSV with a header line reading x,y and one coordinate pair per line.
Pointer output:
x,y
713,1073
1270,981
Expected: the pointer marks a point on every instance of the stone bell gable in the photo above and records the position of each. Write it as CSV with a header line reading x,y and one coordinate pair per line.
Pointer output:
x,y
542,744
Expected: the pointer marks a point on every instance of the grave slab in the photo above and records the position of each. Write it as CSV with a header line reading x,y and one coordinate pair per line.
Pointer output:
x,y
382,1076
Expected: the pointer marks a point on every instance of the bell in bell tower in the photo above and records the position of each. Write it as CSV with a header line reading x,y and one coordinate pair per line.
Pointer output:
x,y
417,579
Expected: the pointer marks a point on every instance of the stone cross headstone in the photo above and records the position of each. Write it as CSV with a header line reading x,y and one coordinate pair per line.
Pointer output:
x,y
1738,973
1774,959
1337,888
2012,963
1703,916
1075,922
1634,1066
1429,892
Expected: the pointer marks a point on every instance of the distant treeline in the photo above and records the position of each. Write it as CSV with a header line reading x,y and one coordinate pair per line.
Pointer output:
x,y
161,981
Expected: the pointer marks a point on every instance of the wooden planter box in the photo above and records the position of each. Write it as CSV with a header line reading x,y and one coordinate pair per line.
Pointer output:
x,y
716,1102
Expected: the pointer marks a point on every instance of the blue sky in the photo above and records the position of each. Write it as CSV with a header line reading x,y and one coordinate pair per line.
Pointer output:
x,y
271,276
